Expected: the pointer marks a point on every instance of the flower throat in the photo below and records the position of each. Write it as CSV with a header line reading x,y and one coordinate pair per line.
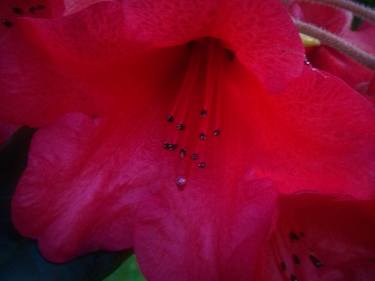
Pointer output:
x,y
194,121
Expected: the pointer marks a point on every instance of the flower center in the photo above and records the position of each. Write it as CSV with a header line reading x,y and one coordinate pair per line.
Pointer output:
x,y
195,117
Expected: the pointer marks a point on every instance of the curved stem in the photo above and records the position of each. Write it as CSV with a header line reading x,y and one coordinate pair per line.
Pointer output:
x,y
336,42
357,9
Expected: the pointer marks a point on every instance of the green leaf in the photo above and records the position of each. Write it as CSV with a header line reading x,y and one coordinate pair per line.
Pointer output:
x,y
127,271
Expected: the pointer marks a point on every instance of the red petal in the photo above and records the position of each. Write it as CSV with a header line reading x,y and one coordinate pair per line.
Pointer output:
x,y
356,75
205,232
30,87
264,39
364,37
80,190
52,61
85,69
32,83
87,176
74,6
332,239
371,89
320,136
260,33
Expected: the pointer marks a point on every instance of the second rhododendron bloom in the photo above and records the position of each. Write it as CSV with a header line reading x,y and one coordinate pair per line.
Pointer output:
x,y
338,21
171,127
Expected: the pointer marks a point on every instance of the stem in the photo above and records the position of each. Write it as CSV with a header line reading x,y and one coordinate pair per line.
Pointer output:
x,y
357,9
336,42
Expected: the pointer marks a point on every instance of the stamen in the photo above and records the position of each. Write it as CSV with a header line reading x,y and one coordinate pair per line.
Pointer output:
x,y
195,108
202,136
218,101
315,261
181,104
278,254
180,127
216,132
203,113
283,266
296,259
212,75
170,146
293,236
215,61
229,54
195,156
182,152
202,165
7,23
17,11
170,118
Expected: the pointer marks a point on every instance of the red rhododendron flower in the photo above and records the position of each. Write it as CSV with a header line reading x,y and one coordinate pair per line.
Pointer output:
x,y
173,127
325,58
